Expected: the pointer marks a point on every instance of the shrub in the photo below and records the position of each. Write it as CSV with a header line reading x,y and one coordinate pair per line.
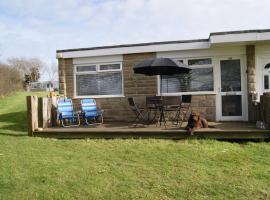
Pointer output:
x,y
10,80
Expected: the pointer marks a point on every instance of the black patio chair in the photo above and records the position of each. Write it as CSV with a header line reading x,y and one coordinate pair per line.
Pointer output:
x,y
182,110
172,106
140,113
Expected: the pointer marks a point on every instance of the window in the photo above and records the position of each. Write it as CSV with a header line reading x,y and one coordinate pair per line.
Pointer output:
x,y
92,68
199,79
266,82
204,61
266,74
99,80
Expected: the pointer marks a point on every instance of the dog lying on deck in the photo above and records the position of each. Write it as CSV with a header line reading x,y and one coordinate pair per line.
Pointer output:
x,y
195,122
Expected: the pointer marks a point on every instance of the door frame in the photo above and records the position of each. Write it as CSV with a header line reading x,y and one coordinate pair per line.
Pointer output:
x,y
243,91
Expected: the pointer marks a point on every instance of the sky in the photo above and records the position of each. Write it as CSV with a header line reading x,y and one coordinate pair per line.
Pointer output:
x,y
37,28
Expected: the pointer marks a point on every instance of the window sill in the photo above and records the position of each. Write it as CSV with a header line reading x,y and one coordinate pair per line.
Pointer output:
x,y
188,93
98,96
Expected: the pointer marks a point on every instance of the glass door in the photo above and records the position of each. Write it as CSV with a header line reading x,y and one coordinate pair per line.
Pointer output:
x,y
232,98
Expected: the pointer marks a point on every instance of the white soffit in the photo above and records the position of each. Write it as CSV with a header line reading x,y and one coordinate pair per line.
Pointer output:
x,y
240,37
134,49
215,39
98,59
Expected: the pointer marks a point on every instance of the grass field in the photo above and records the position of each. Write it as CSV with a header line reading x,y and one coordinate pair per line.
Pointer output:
x,y
36,168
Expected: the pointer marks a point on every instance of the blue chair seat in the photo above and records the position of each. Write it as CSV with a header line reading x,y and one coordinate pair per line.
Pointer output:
x,y
66,112
90,111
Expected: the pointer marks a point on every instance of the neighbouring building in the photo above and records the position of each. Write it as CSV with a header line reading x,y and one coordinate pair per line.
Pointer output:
x,y
48,86
229,69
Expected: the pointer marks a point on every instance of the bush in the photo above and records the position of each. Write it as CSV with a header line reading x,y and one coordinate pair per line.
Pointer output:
x,y
10,80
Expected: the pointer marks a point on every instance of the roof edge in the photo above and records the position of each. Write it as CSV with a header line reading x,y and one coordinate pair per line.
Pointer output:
x,y
164,42
240,32
132,45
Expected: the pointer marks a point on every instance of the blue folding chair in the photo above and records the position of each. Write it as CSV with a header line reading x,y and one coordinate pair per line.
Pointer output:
x,y
66,113
90,113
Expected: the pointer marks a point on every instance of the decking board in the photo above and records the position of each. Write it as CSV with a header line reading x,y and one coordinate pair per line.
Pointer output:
x,y
124,131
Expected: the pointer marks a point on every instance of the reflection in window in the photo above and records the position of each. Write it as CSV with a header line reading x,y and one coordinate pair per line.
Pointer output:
x,y
99,84
86,68
202,61
200,79
266,82
230,75
232,105
109,67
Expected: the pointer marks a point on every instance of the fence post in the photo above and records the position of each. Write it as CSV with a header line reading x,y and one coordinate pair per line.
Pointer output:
x,y
267,109
54,111
43,112
32,114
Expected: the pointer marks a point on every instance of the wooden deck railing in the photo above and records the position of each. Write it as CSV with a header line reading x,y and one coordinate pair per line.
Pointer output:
x,y
41,113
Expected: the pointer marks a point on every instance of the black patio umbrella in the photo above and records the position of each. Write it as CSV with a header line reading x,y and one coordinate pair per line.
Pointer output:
x,y
160,66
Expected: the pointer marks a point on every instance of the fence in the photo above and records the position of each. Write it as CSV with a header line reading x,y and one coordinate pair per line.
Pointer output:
x,y
41,113
260,111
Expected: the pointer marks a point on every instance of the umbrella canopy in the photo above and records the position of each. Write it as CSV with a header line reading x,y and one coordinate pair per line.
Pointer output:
x,y
160,66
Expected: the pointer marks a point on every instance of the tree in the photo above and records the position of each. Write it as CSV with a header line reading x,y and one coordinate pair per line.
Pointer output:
x,y
51,71
29,68
10,80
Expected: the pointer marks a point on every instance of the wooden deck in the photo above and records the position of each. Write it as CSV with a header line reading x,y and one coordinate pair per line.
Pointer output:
x,y
223,130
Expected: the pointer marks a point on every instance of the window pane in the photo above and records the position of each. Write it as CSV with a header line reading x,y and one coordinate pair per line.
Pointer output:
x,y
181,61
99,84
204,61
266,82
87,84
200,79
110,67
230,75
110,83
86,68
232,105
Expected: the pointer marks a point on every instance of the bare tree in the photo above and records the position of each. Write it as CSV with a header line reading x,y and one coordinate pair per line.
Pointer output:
x,y
27,67
51,71
10,81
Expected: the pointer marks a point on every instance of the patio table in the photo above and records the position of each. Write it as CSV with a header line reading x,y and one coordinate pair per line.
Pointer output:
x,y
160,105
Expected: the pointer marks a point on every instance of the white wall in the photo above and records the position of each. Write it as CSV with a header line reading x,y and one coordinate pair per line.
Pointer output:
x,y
210,52
98,59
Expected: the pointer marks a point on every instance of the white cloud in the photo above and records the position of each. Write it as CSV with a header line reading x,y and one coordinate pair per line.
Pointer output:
x,y
36,28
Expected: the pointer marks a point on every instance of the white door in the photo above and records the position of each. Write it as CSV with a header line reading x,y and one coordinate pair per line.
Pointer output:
x,y
232,94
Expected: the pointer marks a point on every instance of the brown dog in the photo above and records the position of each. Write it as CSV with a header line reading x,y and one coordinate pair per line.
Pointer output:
x,y
196,122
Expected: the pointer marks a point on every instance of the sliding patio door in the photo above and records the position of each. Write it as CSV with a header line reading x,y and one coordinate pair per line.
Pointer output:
x,y
232,98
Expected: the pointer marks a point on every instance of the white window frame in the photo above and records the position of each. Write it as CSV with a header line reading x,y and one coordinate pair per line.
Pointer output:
x,y
265,72
97,72
185,61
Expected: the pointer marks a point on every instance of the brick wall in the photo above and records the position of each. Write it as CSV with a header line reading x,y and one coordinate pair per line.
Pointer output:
x,y
135,85
116,109
62,75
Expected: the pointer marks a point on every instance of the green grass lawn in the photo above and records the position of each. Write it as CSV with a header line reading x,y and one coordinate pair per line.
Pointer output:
x,y
36,168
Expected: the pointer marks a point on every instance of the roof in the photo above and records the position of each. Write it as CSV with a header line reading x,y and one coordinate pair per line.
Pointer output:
x,y
239,32
241,36
133,45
